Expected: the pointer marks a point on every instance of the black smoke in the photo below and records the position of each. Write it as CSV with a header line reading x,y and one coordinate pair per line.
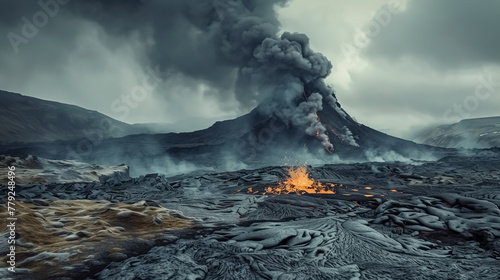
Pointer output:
x,y
233,46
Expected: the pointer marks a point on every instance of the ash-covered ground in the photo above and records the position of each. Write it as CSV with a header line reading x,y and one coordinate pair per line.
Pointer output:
x,y
427,220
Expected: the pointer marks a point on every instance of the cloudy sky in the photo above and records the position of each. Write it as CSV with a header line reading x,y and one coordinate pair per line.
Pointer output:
x,y
398,66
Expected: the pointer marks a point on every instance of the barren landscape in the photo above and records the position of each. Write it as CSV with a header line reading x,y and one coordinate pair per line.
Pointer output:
x,y
425,220
193,139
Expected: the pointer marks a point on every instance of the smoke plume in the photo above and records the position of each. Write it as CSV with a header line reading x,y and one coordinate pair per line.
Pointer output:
x,y
234,47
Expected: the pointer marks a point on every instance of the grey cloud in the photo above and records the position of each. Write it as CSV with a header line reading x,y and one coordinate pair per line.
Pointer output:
x,y
185,36
400,100
231,47
189,36
208,43
447,34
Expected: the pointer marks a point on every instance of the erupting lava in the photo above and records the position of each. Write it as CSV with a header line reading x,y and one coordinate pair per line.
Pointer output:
x,y
298,182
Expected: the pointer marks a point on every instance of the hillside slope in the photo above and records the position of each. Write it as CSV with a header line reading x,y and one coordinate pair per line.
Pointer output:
x,y
470,133
28,119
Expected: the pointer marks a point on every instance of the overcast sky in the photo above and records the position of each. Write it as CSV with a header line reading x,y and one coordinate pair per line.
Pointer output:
x,y
398,66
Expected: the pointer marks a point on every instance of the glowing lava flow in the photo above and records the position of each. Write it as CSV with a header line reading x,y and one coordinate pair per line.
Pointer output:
x,y
298,182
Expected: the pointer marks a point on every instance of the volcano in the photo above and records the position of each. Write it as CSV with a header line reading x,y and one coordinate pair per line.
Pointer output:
x,y
264,136
258,138
298,119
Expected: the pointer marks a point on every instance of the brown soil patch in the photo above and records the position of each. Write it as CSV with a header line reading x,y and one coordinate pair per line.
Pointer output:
x,y
68,232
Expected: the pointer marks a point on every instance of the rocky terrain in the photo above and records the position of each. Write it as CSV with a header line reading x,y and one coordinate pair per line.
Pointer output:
x,y
425,220
469,133
228,203
32,169
71,238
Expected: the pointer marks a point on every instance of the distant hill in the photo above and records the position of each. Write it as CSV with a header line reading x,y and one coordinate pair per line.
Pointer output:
x,y
470,133
28,119
183,125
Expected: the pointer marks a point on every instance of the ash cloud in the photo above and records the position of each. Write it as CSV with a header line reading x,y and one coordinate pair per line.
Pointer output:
x,y
189,37
231,45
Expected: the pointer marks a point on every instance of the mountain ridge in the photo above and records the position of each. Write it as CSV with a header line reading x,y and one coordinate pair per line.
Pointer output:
x,y
28,119
467,133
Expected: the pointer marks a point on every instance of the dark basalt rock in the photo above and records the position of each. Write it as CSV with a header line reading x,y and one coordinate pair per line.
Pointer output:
x,y
376,226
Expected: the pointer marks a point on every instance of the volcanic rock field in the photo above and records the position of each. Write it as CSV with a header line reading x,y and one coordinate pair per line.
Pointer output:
x,y
426,220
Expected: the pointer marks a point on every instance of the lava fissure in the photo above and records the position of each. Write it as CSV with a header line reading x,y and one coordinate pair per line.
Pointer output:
x,y
299,182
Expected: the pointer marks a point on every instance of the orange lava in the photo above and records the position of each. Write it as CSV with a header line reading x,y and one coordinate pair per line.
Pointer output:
x,y
298,182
